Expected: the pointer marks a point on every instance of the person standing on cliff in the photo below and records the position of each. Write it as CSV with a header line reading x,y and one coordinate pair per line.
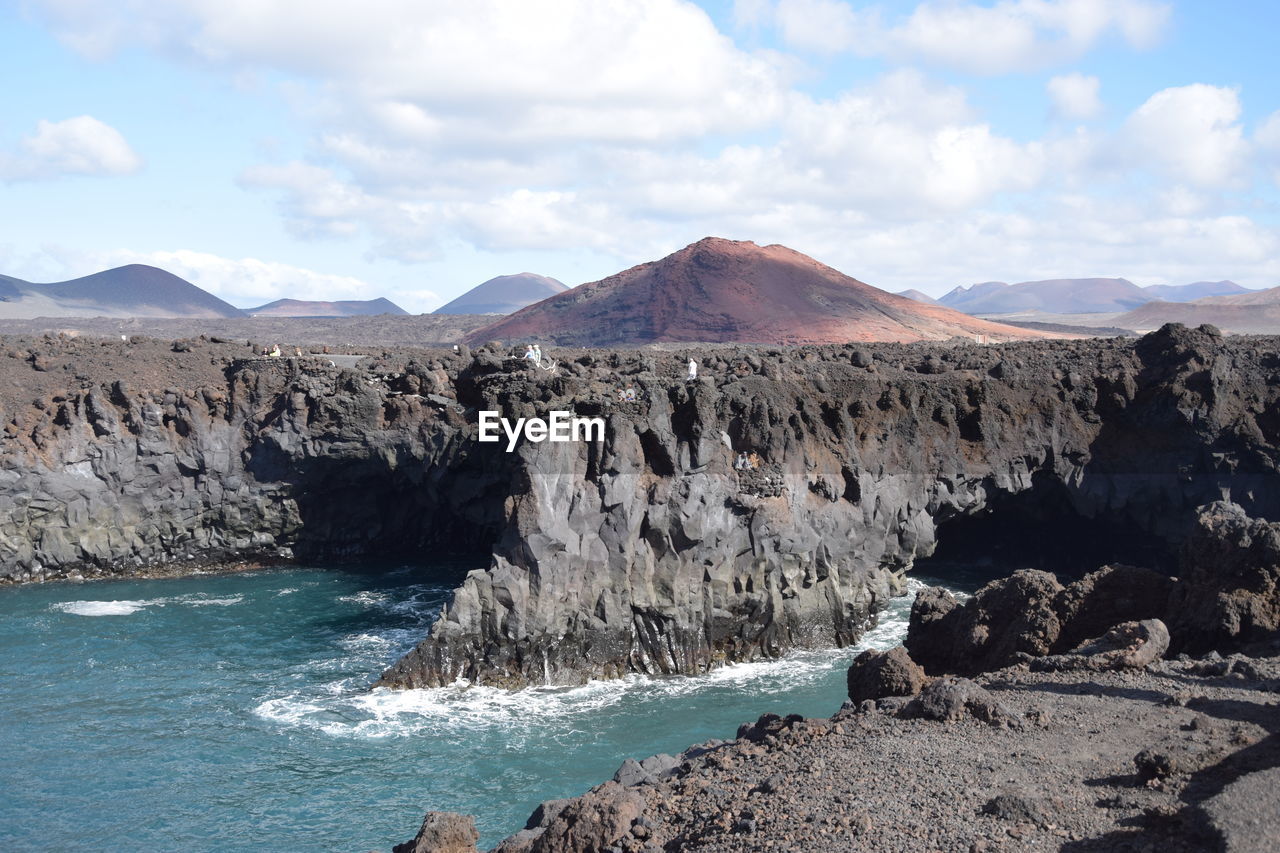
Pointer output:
x,y
693,370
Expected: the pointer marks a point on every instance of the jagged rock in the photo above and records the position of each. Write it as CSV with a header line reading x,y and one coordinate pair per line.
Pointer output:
x,y
979,636
1229,595
443,832
875,675
1006,618
1090,606
590,823
949,699
1129,645
652,769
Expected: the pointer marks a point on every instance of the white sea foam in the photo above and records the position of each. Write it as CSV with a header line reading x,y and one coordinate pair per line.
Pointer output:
x,y
211,602
101,608
287,591
367,598
344,708
128,607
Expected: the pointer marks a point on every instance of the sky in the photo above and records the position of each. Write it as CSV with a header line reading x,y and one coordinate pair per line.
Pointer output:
x,y
413,148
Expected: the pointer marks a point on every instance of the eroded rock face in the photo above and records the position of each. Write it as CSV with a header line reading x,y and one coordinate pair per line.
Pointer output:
x,y
648,551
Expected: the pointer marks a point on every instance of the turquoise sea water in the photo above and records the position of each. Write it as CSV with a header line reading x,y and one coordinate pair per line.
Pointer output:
x,y
231,712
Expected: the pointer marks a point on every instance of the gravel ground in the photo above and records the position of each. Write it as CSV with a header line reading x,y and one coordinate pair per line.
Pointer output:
x,y
1080,762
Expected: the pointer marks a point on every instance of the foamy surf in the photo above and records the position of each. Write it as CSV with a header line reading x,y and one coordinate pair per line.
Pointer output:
x,y
345,709
129,607
100,608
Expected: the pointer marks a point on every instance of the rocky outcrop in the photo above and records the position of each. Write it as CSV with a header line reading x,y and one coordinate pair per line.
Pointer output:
x,y
1229,595
1226,598
443,832
1129,645
649,550
875,675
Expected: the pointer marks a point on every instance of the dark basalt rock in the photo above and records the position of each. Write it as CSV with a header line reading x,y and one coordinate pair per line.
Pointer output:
x,y
1007,618
443,832
1229,594
1129,645
1226,598
950,699
648,551
876,675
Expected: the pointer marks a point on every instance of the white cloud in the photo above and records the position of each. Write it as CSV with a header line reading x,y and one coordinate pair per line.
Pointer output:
x,y
1075,96
1011,35
492,72
76,146
1190,133
1267,139
632,127
827,26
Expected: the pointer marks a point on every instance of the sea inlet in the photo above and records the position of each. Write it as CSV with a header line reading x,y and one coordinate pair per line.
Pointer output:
x,y
232,712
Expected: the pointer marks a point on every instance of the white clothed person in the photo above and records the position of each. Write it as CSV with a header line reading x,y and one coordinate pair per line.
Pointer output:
x,y
693,370
529,354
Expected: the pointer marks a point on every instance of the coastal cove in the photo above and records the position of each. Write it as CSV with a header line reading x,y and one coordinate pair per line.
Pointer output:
x,y
232,711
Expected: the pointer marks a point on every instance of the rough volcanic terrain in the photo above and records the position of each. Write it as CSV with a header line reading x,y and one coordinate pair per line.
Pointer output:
x,y
724,290
1181,756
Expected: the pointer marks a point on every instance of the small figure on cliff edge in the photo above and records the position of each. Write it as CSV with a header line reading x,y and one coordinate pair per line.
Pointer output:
x,y
693,370
275,351
529,354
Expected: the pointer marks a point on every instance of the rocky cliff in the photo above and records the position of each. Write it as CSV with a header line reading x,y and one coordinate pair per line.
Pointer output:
x,y
650,551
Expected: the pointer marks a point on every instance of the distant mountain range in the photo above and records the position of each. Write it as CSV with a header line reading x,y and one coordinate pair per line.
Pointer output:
x,y
1075,295
343,308
138,290
719,290
1253,312
130,291
504,294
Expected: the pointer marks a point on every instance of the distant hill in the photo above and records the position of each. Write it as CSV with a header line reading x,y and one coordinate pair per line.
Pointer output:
x,y
719,290
1270,296
1054,296
135,290
1076,295
918,296
1195,290
342,308
504,294
1262,319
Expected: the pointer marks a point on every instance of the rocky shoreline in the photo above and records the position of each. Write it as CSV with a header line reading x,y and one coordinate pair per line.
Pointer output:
x,y
1105,746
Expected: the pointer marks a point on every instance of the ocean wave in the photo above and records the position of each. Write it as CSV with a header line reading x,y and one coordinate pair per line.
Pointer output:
x,y
344,708
101,608
198,601
129,607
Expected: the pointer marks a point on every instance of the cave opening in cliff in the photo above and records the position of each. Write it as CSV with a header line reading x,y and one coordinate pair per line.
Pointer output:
x,y
1038,528
376,510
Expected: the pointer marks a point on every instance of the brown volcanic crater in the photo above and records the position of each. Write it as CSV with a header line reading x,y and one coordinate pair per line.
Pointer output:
x,y
728,291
